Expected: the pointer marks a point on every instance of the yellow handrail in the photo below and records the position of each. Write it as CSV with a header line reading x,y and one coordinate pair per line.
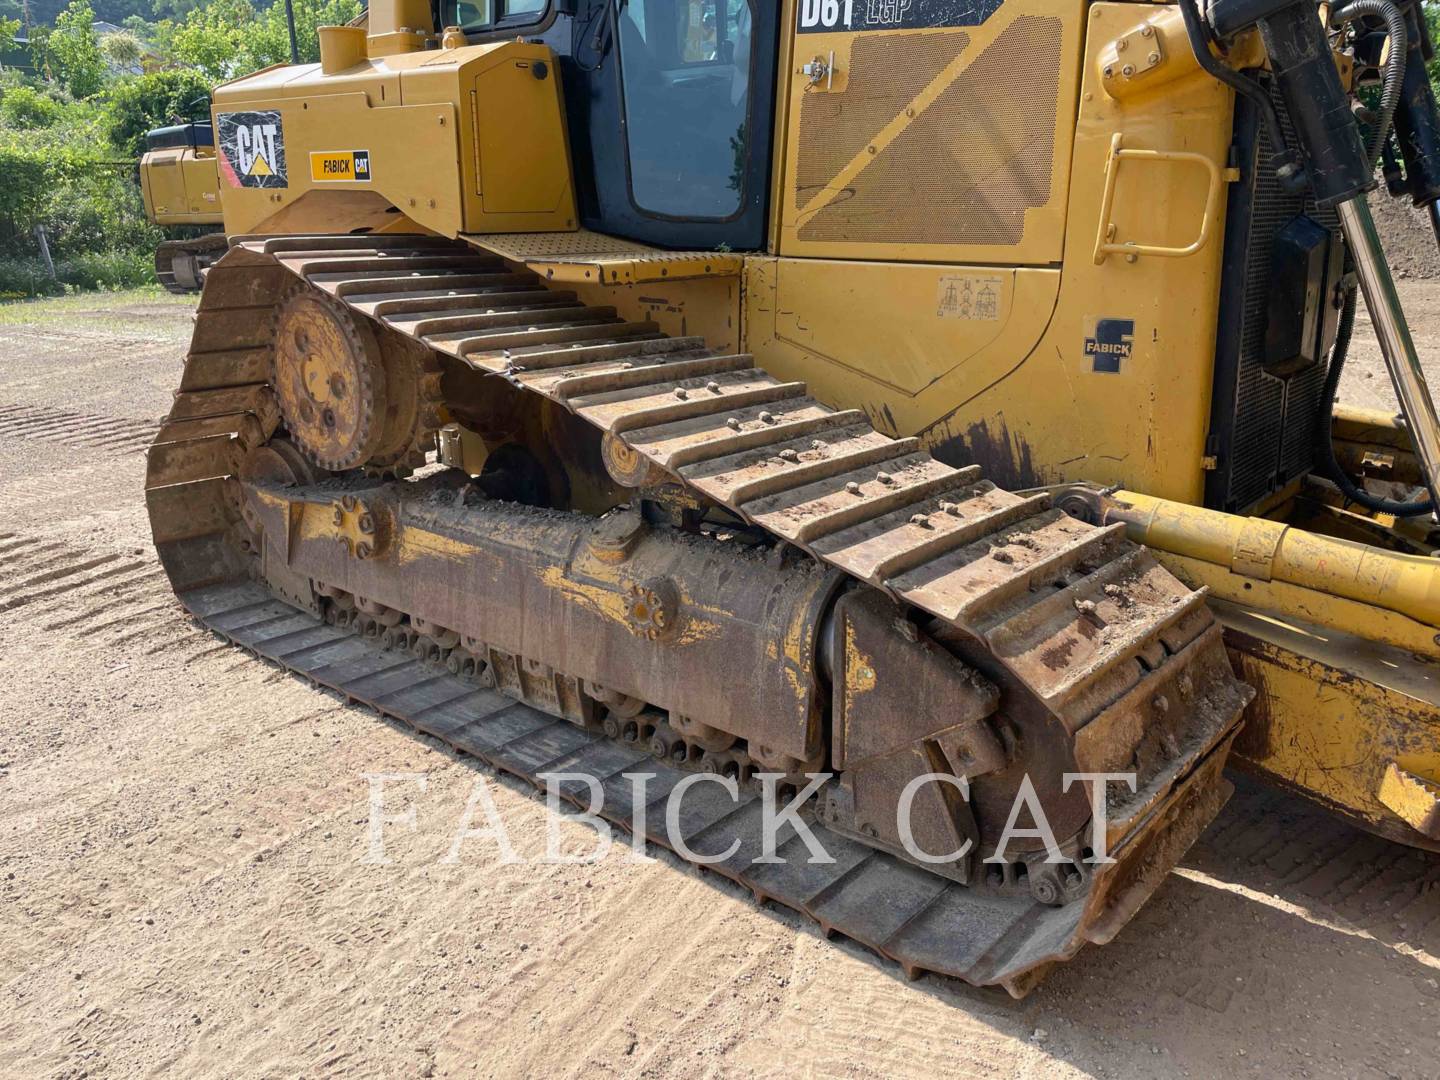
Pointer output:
x,y
1105,242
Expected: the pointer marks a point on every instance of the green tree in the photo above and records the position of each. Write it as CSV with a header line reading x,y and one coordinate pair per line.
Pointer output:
x,y
210,37
8,29
150,101
122,50
227,38
40,49
1431,14
73,53
269,42
27,109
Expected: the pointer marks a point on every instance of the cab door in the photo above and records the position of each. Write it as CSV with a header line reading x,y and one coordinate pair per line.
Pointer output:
x,y
671,105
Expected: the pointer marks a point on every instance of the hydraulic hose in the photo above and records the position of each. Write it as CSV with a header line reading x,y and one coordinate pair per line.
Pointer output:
x,y
1195,30
1351,490
1394,77
1391,89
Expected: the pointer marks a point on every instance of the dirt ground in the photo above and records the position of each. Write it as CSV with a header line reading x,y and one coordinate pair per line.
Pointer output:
x,y
182,830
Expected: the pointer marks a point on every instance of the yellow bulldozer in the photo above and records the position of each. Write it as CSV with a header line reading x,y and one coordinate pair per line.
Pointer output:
x,y
919,413
180,186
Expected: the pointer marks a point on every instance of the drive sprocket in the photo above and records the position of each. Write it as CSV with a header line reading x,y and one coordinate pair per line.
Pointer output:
x,y
329,379
412,413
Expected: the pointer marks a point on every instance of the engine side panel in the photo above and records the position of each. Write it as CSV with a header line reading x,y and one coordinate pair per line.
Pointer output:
x,y
1093,370
909,139
180,186
453,140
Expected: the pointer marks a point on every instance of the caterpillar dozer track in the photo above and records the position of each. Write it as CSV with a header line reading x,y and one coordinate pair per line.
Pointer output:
x,y
705,390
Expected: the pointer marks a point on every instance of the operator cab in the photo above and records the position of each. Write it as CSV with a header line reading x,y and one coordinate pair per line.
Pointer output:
x,y
194,135
670,105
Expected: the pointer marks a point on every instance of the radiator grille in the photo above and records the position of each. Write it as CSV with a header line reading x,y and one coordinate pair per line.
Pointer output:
x,y
968,166
1264,426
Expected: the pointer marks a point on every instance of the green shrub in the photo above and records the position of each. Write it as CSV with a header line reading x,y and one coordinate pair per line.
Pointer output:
x,y
26,108
72,51
21,279
149,101
86,205
24,278
107,269
27,177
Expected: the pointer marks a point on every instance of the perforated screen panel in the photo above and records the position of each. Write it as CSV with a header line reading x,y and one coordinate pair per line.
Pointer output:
x,y
975,156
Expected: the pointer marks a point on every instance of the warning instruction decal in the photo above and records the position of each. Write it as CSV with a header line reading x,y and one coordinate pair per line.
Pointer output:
x,y
969,296
252,149
828,16
340,166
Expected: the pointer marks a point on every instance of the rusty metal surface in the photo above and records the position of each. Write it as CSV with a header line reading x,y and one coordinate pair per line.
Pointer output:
x,y
1372,755
329,381
711,631
878,508
180,265
923,922
986,564
937,718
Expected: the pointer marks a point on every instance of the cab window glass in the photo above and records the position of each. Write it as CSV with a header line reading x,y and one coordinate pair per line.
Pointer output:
x,y
686,67
476,16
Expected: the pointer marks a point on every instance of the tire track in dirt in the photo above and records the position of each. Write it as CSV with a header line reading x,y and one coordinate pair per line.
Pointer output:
x,y
74,587
39,423
1280,847
159,865
92,501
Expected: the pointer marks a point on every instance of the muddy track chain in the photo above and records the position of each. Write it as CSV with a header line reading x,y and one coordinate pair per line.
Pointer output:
x,y
1083,617
207,247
